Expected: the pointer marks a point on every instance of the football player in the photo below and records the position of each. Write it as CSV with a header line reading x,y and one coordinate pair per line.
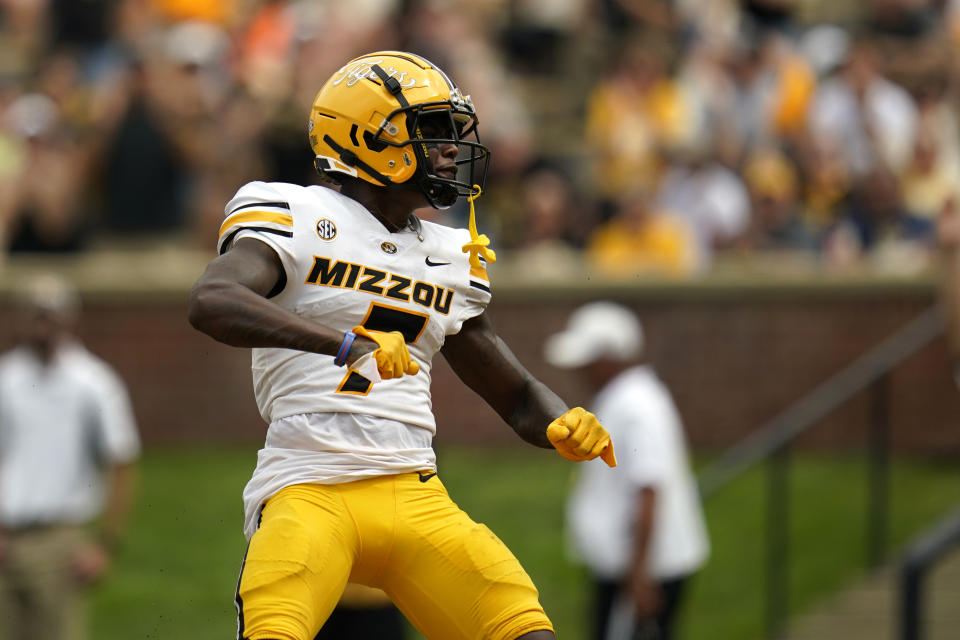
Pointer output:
x,y
345,297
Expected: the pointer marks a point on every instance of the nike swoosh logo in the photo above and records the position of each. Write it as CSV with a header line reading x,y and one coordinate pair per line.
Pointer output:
x,y
431,263
425,477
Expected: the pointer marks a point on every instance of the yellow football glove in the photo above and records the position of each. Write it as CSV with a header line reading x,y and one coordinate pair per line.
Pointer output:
x,y
393,358
578,435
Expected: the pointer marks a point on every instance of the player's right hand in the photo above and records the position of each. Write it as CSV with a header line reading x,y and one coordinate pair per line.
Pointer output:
x,y
577,435
392,357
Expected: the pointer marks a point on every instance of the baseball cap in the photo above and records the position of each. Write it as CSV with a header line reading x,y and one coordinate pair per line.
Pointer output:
x,y
594,331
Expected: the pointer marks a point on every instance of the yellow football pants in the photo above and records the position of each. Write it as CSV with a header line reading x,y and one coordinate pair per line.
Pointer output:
x,y
451,577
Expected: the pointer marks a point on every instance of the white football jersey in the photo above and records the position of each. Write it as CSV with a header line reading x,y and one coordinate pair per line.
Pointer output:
x,y
343,268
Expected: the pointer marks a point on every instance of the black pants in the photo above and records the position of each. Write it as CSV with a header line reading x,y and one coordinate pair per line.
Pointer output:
x,y
660,627
368,623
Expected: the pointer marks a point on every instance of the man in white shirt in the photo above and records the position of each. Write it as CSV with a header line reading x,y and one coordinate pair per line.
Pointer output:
x,y
67,444
639,527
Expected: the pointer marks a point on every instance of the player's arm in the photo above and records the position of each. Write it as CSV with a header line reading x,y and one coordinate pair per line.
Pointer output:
x,y
230,304
484,362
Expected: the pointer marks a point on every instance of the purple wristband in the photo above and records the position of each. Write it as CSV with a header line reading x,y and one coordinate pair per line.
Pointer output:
x,y
344,349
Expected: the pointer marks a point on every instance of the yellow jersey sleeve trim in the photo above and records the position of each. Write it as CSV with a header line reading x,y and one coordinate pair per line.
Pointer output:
x,y
255,216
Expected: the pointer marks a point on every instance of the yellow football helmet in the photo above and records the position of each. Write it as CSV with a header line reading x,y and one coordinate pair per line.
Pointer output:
x,y
377,117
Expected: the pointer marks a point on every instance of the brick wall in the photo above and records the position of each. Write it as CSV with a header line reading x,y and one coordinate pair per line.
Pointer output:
x,y
733,356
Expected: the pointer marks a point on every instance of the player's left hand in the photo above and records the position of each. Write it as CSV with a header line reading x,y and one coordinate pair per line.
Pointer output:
x,y
392,357
578,435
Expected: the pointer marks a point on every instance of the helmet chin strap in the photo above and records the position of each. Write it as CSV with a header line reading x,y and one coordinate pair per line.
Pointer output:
x,y
434,192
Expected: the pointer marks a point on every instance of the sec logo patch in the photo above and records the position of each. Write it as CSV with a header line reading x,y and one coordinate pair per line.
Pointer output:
x,y
326,229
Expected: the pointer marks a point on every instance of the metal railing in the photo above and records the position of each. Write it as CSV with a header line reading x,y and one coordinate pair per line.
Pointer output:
x,y
920,556
771,443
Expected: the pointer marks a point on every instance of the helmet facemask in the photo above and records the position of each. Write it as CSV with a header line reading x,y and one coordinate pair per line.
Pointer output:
x,y
440,127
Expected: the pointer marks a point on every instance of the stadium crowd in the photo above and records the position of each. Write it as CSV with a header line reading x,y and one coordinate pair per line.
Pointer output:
x,y
658,137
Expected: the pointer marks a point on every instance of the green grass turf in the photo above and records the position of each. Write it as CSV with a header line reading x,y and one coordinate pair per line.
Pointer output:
x,y
175,576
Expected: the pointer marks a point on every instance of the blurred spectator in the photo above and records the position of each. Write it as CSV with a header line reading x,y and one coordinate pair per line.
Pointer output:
x,y
705,76
876,229
774,87
41,203
931,176
867,118
552,211
827,183
142,171
638,527
174,153
777,223
641,240
62,78
636,110
711,198
754,91
67,445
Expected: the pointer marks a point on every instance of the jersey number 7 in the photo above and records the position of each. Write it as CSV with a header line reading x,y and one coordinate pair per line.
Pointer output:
x,y
381,317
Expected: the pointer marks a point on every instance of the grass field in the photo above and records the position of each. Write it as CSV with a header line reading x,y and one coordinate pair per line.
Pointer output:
x,y
175,577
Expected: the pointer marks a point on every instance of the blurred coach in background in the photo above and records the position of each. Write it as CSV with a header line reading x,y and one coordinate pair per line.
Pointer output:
x,y
66,425
639,527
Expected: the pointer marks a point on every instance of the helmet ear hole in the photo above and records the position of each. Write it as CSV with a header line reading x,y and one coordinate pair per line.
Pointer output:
x,y
372,143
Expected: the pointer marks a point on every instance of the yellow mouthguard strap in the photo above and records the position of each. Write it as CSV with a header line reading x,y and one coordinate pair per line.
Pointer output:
x,y
479,243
